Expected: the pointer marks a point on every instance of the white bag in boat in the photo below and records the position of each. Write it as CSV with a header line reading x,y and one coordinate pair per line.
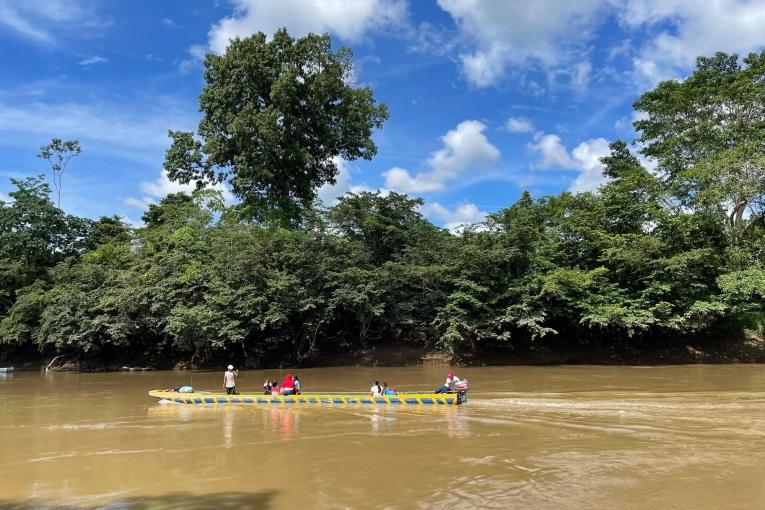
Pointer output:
x,y
461,385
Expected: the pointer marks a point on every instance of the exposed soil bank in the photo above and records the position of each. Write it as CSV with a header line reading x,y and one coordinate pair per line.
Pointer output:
x,y
750,349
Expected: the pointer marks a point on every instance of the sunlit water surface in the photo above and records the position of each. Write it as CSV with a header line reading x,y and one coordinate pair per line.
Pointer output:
x,y
530,437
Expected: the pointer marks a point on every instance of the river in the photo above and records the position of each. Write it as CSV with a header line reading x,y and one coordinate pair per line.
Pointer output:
x,y
530,437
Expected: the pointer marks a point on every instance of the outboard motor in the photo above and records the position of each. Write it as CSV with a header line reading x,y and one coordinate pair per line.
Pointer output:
x,y
461,388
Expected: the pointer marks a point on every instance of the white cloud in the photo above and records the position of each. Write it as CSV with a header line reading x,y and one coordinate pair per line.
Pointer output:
x,y
131,222
552,151
94,60
519,125
350,20
626,123
455,220
501,34
39,20
136,134
197,53
13,20
496,36
329,193
689,29
465,149
4,197
156,190
164,186
580,76
587,157
140,203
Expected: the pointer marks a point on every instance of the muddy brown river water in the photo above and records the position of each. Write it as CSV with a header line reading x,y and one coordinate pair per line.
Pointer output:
x,y
530,437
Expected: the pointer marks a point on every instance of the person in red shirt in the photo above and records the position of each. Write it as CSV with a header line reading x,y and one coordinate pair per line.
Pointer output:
x,y
288,385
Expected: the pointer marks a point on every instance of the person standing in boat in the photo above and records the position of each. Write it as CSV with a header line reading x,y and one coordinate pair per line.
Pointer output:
x,y
448,386
288,385
229,380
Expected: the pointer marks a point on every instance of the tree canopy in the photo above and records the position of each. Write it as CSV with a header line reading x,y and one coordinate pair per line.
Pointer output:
x,y
707,134
276,116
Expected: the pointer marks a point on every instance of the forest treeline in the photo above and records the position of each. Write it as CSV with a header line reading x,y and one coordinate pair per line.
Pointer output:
x,y
653,258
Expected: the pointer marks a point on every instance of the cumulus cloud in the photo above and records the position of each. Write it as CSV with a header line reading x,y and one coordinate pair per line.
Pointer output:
x,y
696,28
455,220
497,36
350,20
500,34
585,158
156,190
466,148
519,125
553,153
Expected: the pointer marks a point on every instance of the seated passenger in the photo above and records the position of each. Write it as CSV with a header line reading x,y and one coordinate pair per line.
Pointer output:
x,y
267,387
448,386
376,389
297,384
386,390
274,388
288,385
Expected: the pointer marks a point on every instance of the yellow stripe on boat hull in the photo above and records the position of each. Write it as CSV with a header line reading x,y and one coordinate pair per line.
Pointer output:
x,y
310,398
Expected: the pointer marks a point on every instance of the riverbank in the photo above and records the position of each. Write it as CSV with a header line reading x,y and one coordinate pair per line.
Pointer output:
x,y
750,348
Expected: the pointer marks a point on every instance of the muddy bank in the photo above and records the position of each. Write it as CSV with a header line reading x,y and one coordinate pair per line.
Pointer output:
x,y
748,349
712,351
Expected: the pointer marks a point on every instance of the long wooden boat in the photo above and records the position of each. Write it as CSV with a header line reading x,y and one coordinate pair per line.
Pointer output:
x,y
311,398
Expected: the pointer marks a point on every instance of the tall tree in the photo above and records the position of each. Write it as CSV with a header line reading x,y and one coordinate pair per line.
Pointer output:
x,y
707,133
58,153
276,115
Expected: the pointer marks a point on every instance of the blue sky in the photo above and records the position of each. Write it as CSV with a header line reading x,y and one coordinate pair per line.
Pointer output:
x,y
486,98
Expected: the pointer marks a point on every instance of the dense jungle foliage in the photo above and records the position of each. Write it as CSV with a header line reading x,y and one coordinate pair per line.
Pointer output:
x,y
655,256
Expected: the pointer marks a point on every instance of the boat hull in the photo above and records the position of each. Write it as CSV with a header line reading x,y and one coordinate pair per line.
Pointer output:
x,y
311,398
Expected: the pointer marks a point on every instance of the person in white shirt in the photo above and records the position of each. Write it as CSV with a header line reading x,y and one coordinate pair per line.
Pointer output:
x,y
376,389
448,386
229,380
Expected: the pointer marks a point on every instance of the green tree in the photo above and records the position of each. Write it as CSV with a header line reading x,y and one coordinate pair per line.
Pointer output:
x,y
34,235
707,134
58,153
169,210
385,224
276,115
